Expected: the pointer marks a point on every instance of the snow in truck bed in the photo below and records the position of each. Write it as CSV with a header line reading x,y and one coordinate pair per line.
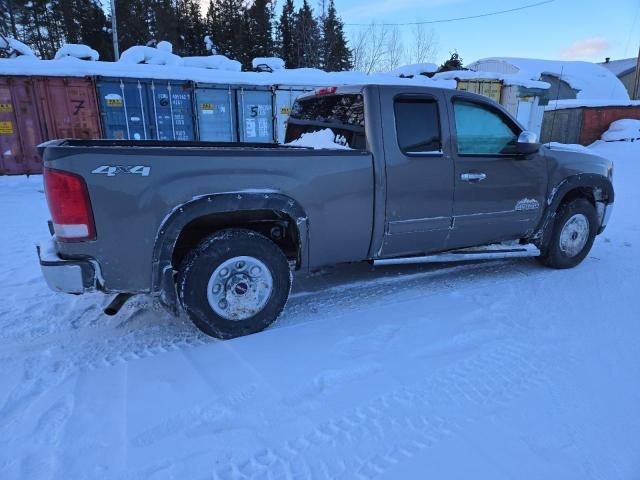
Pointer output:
x,y
497,369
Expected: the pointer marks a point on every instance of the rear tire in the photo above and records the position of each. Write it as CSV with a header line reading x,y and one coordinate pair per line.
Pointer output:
x,y
234,283
574,231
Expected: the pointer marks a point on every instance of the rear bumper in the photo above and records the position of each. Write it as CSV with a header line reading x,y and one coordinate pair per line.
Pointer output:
x,y
67,276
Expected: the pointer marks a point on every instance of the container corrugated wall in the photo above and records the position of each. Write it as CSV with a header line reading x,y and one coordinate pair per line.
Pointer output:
x,y
562,126
216,113
141,109
255,114
285,97
69,107
20,127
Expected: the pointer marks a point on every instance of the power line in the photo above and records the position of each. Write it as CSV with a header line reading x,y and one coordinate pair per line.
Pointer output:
x,y
447,20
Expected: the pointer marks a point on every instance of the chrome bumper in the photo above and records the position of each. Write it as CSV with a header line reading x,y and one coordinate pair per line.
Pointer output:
x,y
606,215
67,276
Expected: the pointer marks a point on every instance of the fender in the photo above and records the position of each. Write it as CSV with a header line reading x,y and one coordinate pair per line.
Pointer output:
x,y
601,186
162,271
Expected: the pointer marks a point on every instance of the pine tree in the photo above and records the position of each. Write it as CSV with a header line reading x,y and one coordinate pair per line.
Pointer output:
x,y
307,37
453,63
336,55
286,46
260,29
226,22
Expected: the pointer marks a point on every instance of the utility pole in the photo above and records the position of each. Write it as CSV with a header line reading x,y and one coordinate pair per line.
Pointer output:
x,y
114,31
636,84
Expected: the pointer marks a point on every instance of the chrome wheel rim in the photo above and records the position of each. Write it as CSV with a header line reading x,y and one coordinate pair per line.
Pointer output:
x,y
574,235
239,288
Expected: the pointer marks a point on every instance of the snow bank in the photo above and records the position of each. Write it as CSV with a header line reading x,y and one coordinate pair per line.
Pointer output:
x,y
151,56
273,63
214,62
592,80
414,69
622,130
17,46
82,52
576,103
507,79
322,139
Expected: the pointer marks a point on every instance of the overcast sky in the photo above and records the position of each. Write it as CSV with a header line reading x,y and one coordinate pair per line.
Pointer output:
x,y
571,29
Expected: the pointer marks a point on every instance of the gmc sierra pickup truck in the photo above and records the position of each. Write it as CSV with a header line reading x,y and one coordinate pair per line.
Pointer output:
x,y
216,229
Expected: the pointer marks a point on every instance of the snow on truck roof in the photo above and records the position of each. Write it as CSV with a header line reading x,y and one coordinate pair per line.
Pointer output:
x,y
592,80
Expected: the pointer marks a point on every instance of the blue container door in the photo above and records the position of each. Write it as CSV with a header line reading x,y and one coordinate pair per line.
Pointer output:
x,y
123,109
216,115
255,115
170,110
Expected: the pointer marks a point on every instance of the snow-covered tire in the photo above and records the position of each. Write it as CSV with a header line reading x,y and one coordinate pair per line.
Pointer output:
x,y
234,283
574,231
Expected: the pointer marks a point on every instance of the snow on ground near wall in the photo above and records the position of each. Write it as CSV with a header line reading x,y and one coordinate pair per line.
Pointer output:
x,y
499,369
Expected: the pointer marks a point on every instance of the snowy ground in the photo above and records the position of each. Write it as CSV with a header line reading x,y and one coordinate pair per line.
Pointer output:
x,y
496,370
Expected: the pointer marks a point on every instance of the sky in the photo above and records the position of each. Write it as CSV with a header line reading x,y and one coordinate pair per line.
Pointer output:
x,y
563,29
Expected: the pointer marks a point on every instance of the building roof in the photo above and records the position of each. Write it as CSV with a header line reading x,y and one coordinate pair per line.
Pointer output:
x,y
590,80
622,66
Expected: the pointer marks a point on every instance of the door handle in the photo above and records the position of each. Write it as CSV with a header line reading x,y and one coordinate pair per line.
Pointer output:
x,y
472,177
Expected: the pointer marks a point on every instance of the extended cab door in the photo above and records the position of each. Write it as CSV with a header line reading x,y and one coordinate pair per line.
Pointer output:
x,y
419,172
499,194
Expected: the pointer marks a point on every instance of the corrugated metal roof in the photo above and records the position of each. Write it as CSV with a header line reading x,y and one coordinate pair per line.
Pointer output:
x,y
622,66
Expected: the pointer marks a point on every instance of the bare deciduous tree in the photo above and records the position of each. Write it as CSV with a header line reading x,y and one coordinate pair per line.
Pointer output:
x,y
380,48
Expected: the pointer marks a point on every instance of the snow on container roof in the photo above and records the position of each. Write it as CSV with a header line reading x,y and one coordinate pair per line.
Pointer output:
x,y
299,76
578,103
81,52
506,78
622,66
590,79
414,69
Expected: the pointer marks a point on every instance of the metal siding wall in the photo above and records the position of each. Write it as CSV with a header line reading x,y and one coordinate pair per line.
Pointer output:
x,y
566,125
596,121
70,109
255,115
215,111
20,127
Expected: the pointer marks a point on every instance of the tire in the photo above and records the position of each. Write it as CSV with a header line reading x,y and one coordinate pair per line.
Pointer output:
x,y
234,283
569,244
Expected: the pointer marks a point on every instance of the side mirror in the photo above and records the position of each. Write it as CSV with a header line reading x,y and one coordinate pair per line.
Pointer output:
x,y
527,143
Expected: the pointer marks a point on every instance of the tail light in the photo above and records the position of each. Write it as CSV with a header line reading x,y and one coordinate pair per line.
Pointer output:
x,y
69,205
326,90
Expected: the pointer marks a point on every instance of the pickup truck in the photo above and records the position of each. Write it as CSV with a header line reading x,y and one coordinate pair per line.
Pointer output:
x,y
215,229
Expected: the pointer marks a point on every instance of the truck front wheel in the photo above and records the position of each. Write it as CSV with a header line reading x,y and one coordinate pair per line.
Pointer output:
x,y
234,283
573,233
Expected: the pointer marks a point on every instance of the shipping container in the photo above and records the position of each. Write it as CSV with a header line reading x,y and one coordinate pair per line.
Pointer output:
x,y
284,100
171,110
20,127
255,114
215,112
69,107
143,109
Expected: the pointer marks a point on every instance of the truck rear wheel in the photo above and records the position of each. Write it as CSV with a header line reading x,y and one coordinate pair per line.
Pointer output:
x,y
573,233
234,283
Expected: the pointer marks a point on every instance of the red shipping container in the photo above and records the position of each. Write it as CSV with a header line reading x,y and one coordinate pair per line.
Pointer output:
x,y
596,121
69,107
20,127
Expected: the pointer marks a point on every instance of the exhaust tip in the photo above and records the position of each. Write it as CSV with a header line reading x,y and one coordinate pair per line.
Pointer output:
x,y
116,304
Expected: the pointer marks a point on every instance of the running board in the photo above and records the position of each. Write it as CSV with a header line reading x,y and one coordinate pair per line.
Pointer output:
x,y
466,254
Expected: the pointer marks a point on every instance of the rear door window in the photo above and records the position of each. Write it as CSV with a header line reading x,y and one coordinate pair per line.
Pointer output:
x,y
343,114
418,125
